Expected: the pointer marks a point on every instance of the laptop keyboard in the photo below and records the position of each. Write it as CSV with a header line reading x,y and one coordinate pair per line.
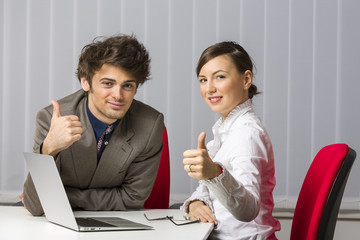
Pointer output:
x,y
90,222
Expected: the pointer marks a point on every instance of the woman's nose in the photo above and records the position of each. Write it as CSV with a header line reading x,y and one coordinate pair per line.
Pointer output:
x,y
210,88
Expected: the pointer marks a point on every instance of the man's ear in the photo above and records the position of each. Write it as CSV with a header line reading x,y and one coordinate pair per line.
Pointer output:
x,y
85,84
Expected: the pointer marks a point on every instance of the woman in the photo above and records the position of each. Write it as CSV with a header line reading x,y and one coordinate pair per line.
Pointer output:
x,y
236,171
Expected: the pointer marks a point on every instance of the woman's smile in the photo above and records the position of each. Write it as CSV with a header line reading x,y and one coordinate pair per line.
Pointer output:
x,y
214,99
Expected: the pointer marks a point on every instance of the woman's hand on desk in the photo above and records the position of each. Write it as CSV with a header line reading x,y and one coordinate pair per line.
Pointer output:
x,y
198,210
197,162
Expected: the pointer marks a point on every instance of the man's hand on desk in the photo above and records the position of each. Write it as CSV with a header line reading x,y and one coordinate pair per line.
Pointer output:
x,y
21,196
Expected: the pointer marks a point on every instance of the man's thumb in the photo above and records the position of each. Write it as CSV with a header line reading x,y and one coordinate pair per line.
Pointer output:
x,y
56,109
201,141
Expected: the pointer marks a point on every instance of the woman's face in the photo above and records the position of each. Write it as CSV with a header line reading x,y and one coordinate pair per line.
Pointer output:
x,y
222,86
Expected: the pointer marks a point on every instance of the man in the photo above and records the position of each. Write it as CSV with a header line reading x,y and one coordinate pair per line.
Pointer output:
x,y
106,145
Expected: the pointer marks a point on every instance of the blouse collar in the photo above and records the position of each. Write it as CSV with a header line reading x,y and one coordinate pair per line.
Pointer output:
x,y
222,126
239,110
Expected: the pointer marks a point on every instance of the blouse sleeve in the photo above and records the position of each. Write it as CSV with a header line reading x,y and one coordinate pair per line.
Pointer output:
x,y
239,201
201,193
238,187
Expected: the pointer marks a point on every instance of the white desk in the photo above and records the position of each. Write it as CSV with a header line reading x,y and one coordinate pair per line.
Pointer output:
x,y
17,223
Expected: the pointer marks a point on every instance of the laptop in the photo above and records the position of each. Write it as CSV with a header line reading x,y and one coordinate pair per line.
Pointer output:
x,y
56,205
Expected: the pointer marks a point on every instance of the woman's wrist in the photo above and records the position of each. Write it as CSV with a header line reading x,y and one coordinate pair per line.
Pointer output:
x,y
217,170
194,203
221,169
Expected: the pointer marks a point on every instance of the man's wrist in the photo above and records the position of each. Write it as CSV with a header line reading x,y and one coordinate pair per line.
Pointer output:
x,y
46,150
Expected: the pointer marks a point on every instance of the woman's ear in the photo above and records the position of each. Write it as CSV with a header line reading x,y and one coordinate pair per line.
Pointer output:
x,y
247,79
85,84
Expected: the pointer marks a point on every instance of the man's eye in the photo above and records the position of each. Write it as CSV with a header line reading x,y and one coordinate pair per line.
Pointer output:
x,y
129,86
107,83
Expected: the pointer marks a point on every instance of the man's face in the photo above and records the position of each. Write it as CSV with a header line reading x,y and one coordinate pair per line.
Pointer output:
x,y
111,93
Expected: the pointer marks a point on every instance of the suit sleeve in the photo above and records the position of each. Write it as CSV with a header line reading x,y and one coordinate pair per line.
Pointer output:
x,y
137,184
31,199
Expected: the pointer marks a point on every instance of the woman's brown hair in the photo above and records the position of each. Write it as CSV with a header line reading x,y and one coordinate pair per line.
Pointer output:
x,y
237,54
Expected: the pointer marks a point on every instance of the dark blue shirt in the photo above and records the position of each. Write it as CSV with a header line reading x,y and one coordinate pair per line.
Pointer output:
x,y
99,127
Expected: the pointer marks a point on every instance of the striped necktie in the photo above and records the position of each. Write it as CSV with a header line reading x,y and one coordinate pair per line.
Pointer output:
x,y
101,139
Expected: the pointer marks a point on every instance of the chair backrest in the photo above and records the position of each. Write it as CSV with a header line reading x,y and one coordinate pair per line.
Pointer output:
x,y
160,195
320,196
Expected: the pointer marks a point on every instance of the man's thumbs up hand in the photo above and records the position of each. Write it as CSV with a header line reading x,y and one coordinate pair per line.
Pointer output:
x,y
56,109
63,132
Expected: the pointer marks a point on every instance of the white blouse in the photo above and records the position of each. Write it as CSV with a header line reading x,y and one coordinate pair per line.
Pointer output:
x,y
241,197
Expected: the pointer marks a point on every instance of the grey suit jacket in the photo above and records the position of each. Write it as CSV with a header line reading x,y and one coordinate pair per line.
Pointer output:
x,y
125,175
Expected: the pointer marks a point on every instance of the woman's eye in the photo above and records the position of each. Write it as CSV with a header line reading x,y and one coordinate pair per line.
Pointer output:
x,y
220,76
202,80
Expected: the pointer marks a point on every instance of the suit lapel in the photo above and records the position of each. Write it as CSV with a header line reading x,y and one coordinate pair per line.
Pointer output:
x,y
115,155
83,152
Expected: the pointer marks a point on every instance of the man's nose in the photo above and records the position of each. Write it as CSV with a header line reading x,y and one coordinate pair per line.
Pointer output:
x,y
117,92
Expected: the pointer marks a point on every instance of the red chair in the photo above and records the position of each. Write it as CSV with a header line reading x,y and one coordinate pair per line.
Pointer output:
x,y
160,194
320,196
